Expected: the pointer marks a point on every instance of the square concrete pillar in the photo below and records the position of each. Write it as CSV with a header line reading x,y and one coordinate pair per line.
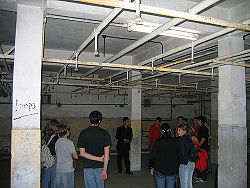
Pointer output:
x,y
214,124
26,134
135,111
232,134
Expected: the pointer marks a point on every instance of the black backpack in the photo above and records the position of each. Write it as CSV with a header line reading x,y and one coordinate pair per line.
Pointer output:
x,y
193,155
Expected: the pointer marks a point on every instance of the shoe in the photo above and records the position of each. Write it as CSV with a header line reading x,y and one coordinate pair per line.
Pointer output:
x,y
129,173
202,181
197,180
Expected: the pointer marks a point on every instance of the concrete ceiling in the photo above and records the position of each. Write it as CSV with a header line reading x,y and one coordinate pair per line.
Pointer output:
x,y
228,4
68,24
68,34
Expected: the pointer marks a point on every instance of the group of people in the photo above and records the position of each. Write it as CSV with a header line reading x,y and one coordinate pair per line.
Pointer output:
x,y
171,159
94,146
60,172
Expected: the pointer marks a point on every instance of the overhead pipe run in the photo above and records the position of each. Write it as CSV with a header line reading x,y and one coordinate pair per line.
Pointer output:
x,y
194,10
188,15
117,86
123,66
113,14
198,64
125,38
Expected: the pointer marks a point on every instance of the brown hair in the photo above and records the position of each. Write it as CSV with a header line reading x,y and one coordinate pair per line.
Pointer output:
x,y
50,129
183,127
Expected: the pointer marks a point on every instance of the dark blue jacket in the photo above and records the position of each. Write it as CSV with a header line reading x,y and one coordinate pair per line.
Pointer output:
x,y
186,146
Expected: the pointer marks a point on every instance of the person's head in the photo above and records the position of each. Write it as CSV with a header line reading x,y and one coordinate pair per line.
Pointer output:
x,y
195,121
165,130
126,121
95,117
185,121
180,120
158,121
53,124
202,120
63,131
182,129
191,131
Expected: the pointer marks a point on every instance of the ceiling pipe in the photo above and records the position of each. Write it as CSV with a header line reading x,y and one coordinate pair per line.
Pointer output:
x,y
6,66
112,15
194,10
116,86
99,29
164,66
198,64
122,66
171,13
125,38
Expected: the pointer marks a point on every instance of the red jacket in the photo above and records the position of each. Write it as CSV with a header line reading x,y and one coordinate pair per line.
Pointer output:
x,y
201,164
154,134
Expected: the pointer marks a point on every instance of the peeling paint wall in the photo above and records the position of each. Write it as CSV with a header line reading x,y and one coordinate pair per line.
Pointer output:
x,y
25,158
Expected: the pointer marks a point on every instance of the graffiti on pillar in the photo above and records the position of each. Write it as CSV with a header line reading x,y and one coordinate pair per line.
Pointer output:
x,y
24,109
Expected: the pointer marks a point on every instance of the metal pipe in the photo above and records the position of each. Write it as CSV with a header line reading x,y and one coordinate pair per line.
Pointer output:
x,y
195,9
202,63
125,38
115,12
190,14
137,67
199,41
6,66
113,86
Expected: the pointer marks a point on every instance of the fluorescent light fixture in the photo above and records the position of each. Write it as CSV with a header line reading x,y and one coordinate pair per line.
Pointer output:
x,y
179,32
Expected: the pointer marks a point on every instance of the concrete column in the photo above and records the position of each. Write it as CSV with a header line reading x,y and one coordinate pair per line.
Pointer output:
x,y
214,125
26,134
135,110
232,133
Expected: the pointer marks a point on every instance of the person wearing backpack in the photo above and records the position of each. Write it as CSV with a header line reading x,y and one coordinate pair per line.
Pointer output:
x,y
186,168
49,154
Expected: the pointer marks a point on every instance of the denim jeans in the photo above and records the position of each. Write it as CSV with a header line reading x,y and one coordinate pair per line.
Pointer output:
x,y
92,177
49,176
162,181
186,174
65,180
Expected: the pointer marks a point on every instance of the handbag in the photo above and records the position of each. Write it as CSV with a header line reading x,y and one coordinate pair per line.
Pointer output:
x,y
46,158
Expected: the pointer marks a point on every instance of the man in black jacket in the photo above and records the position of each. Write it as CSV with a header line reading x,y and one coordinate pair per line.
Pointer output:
x,y
124,136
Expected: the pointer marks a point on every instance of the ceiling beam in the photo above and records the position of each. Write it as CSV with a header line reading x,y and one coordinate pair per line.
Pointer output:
x,y
189,15
112,15
195,9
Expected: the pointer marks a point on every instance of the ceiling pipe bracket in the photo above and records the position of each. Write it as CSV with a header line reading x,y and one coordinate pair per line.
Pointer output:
x,y
96,33
192,53
138,11
76,68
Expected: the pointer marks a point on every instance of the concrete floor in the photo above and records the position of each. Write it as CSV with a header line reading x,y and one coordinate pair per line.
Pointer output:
x,y
140,179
